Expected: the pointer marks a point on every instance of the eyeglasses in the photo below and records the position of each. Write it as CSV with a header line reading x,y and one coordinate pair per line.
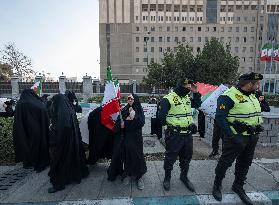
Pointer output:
x,y
129,98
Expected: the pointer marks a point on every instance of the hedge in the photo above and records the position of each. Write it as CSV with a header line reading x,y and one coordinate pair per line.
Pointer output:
x,y
7,154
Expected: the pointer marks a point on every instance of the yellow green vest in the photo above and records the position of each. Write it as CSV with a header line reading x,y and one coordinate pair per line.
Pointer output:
x,y
180,113
246,109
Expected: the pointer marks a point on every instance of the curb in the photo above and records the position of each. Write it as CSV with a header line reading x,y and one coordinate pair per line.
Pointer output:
x,y
264,198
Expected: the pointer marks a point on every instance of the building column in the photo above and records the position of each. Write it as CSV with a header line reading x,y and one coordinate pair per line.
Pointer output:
x,y
15,86
87,86
62,84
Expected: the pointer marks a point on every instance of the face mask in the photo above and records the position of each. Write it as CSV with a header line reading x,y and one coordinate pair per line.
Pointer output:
x,y
74,103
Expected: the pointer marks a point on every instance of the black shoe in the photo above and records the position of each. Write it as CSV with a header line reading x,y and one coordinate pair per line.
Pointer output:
x,y
55,189
187,183
216,192
166,184
242,195
213,153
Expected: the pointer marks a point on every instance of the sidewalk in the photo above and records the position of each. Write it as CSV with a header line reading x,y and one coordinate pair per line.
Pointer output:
x,y
262,186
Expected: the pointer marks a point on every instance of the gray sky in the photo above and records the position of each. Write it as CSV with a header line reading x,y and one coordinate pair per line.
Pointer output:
x,y
58,35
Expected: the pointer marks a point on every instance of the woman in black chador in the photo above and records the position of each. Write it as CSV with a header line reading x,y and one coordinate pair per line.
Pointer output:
x,y
31,131
131,144
67,158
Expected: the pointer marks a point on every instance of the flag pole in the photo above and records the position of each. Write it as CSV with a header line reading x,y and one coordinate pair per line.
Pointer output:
x,y
275,78
270,67
264,77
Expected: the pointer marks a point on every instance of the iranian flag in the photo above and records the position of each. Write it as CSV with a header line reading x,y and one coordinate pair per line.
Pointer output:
x,y
37,87
203,88
266,52
110,104
276,53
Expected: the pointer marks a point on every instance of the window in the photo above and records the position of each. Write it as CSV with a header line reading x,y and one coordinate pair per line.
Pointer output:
x,y
236,49
137,49
160,29
137,39
145,60
145,39
183,39
245,18
229,39
160,39
246,7
237,39
199,28
244,39
152,39
198,49
137,28
176,39
176,28
252,39
243,59
230,29
183,28
137,18
222,39
236,29
243,49
145,28
191,39
152,28
152,60
168,28
168,39
145,49
137,60
199,39
206,39
245,29
222,29
160,49
184,8
152,49
251,49
253,18
251,59
238,7
252,29
238,19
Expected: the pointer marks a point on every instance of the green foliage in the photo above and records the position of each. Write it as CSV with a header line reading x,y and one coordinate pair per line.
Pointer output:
x,y
273,100
7,154
214,65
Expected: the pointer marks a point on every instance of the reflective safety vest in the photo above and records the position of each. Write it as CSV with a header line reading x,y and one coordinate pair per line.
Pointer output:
x,y
180,112
246,109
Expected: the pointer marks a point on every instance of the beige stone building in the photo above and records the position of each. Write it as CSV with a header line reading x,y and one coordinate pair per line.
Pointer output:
x,y
135,32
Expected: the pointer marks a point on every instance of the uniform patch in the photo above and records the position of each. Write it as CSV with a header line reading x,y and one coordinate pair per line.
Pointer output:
x,y
240,98
222,107
176,101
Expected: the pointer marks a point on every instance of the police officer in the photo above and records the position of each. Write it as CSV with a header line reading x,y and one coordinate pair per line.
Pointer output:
x,y
175,112
238,113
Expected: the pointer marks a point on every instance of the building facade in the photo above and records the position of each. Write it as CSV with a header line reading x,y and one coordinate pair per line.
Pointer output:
x,y
134,33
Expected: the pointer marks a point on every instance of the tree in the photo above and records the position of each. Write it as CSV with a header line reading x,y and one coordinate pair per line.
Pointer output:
x,y
6,72
20,63
215,64
175,65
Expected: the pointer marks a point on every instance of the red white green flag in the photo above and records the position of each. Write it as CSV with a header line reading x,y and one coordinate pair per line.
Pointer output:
x,y
37,87
266,53
276,53
110,104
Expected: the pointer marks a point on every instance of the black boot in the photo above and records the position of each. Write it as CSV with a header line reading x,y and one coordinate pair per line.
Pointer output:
x,y
238,189
186,182
217,187
213,153
166,183
55,189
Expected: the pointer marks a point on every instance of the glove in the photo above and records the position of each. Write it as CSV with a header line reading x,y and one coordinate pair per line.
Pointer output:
x,y
132,114
193,128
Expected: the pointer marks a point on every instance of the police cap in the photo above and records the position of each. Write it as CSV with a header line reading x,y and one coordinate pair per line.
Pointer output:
x,y
251,76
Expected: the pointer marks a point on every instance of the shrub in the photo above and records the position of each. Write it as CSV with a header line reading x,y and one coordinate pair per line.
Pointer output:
x,y
7,154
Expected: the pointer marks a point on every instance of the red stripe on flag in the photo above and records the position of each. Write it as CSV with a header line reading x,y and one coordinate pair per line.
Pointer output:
x,y
107,110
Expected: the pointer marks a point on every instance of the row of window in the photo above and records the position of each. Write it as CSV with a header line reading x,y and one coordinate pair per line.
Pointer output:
x,y
200,8
169,18
191,39
160,49
199,29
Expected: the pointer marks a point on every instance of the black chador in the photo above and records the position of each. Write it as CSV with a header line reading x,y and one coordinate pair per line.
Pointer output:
x,y
67,163
31,131
100,138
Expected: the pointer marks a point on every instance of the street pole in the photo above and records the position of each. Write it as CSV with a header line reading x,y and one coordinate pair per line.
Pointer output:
x,y
264,77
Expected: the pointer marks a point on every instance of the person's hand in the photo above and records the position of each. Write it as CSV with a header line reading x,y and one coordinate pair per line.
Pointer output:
x,y
5,105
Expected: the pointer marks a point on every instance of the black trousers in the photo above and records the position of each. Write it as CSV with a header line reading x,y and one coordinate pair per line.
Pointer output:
x,y
217,135
178,145
242,152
